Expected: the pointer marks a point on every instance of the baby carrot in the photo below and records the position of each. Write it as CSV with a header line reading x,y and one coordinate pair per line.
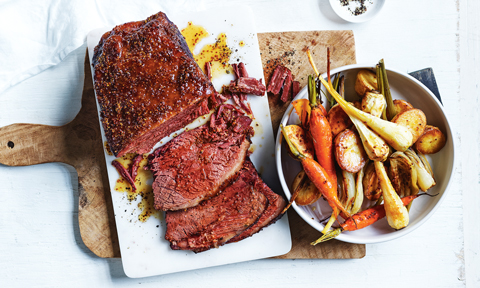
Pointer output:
x,y
362,219
317,175
321,133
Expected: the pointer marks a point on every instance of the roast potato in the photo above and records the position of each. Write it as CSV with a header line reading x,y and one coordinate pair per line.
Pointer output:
x,y
366,81
414,119
349,151
304,191
431,141
338,120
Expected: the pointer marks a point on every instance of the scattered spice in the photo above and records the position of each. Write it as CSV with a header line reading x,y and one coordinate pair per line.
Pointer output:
x,y
356,7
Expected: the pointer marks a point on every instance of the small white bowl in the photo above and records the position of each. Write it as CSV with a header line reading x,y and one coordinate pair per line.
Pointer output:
x,y
402,86
373,8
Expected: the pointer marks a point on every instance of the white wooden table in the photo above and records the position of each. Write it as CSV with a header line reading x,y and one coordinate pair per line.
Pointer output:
x,y
40,244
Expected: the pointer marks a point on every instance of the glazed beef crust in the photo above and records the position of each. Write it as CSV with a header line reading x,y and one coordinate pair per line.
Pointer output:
x,y
147,84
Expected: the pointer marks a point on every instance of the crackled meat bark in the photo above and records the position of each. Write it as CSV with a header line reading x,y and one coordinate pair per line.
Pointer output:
x,y
147,84
195,165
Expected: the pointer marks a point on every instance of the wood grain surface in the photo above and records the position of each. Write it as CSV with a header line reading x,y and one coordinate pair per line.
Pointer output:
x,y
78,143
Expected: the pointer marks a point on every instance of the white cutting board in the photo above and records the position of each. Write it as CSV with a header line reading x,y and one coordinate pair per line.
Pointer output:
x,y
144,250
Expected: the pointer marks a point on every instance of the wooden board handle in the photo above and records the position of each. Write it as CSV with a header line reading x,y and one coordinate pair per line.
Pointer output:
x,y
29,144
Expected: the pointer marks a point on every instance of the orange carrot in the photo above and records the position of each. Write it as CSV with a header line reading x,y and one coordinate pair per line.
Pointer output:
x,y
321,133
317,175
362,219
371,215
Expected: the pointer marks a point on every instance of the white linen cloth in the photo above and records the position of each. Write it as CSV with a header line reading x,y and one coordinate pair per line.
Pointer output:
x,y
36,35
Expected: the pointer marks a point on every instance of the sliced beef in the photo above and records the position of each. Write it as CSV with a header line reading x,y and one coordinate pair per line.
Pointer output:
x,y
219,219
272,213
147,84
195,165
248,85
287,85
277,79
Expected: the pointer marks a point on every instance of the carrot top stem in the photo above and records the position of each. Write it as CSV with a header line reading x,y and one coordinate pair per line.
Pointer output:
x,y
312,91
327,236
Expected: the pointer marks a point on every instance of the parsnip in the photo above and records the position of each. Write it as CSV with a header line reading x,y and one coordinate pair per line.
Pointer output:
x,y
397,214
397,136
375,147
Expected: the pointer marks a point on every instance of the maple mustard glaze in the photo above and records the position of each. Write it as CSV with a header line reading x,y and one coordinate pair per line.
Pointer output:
x,y
144,190
218,53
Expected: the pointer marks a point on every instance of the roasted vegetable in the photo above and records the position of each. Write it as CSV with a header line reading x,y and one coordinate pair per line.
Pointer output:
x,y
299,138
302,108
397,213
431,141
397,136
371,185
414,119
366,81
373,103
348,187
349,151
425,178
384,89
305,192
400,106
321,134
338,119
375,147
403,174
362,219
317,175
357,203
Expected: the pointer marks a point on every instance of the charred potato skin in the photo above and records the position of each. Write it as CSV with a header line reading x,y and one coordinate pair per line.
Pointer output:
x,y
349,151
414,119
366,81
431,141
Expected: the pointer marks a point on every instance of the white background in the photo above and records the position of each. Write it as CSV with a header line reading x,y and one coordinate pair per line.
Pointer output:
x,y
40,244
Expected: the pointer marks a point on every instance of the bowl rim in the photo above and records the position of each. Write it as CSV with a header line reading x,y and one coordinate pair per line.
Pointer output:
x,y
344,237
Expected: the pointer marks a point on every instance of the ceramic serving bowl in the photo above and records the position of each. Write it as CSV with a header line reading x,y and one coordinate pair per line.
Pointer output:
x,y
402,86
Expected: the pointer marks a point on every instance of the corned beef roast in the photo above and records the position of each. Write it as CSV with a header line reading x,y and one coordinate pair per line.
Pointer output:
x,y
195,165
147,84
239,211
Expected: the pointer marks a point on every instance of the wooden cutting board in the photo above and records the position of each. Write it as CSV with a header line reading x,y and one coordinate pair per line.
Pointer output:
x,y
79,144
